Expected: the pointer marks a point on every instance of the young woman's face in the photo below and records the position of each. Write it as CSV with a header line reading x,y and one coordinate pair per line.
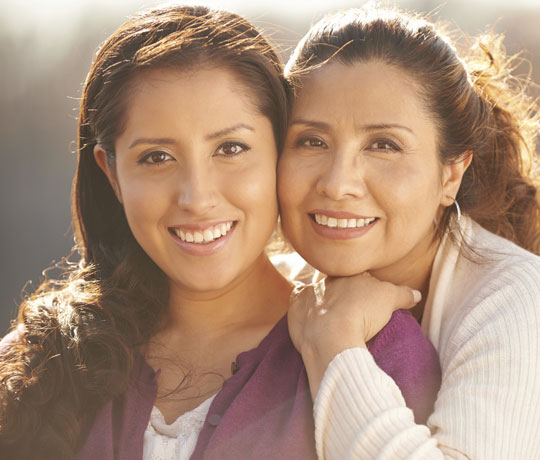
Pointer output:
x,y
196,174
359,179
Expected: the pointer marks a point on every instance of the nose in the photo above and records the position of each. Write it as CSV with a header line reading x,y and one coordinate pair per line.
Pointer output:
x,y
197,191
343,178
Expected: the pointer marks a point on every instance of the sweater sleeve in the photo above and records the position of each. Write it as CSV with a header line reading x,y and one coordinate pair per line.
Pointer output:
x,y
488,406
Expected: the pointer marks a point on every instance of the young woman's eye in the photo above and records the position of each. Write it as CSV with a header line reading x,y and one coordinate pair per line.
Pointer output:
x,y
232,149
156,158
311,142
384,145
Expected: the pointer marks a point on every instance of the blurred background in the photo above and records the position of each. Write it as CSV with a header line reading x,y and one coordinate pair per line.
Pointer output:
x,y
45,52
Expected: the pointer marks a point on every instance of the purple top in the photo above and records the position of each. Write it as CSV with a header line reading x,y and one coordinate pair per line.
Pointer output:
x,y
264,410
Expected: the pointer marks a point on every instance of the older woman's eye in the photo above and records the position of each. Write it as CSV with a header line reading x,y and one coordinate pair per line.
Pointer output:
x,y
157,157
384,145
232,149
311,142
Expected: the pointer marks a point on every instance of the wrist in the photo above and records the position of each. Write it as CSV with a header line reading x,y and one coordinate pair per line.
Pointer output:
x,y
317,359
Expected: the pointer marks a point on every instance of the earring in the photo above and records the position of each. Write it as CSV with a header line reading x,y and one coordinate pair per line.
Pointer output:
x,y
458,209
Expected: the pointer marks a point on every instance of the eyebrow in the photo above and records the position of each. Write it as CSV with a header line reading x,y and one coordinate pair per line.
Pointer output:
x,y
152,140
170,141
315,124
229,130
386,126
374,127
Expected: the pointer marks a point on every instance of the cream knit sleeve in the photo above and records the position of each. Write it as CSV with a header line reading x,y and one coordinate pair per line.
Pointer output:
x,y
488,406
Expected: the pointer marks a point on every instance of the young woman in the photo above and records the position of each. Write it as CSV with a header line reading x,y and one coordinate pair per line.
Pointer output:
x,y
409,163
169,340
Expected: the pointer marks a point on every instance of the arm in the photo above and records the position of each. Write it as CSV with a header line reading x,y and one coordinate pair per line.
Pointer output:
x,y
326,318
488,406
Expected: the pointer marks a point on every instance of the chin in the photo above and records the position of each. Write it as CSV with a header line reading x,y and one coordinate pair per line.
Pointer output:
x,y
342,272
336,267
205,284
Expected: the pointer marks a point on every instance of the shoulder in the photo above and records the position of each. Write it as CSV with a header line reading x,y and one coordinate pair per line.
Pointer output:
x,y
496,251
496,298
494,268
401,331
401,348
403,352
506,275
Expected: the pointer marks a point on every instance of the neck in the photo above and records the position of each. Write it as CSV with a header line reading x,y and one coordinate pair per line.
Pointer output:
x,y
257,298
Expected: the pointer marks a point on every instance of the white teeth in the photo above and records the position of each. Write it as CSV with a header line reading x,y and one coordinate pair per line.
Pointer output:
x,y
332,222
208,236
204,236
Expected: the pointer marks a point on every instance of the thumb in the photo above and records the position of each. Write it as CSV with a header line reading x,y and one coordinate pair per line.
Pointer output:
x,y
406,297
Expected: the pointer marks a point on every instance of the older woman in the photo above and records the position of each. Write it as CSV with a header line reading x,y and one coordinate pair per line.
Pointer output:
x,y
408,163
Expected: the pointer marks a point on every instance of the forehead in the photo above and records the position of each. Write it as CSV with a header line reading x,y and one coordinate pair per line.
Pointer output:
x,y
368,91
186,106
187,84
174,98
166,103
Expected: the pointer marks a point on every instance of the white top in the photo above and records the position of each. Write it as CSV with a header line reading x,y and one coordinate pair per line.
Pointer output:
x,y
175,441
484,320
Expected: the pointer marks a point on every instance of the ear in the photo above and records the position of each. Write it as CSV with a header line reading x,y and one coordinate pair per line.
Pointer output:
x,y
452,176
100,155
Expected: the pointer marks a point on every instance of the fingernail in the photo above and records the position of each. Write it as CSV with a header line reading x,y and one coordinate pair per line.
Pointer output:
x,y
417,296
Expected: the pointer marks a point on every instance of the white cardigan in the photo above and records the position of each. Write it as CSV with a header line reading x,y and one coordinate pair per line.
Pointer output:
x,y
484,320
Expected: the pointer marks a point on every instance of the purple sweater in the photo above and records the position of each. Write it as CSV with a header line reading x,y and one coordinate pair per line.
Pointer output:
x,y
264,410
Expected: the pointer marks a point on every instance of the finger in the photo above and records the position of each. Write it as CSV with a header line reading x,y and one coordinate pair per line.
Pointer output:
x,y
406,297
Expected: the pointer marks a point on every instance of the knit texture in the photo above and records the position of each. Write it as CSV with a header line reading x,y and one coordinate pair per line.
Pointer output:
x,y
483,316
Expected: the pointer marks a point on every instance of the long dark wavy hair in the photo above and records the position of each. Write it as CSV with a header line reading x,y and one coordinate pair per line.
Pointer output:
x,y
476,102
72,344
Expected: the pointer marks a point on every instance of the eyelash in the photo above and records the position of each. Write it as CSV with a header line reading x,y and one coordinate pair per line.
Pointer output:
x,y
243,149
145,158
309,139
306,142
393,146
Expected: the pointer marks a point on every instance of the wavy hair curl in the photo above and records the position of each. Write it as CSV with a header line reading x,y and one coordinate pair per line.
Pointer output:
x,y
72,345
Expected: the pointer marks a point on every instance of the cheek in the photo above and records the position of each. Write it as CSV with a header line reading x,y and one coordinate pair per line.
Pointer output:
x,y
143,202
409,195
292,187
254,190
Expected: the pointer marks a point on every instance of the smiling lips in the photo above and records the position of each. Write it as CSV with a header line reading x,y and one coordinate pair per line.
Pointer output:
x,y
334,222
202,236
341,225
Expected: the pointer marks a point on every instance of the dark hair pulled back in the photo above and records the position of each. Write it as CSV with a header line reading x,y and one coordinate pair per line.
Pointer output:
x,y
478,106
72,344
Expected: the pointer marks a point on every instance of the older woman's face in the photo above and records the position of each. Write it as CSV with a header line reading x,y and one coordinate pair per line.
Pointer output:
x,y
359,179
